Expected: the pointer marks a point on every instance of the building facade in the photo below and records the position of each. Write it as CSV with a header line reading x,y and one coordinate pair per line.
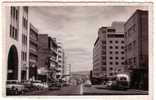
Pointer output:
x,y
136,46
17,42
33,52
108,52
47,57
60,60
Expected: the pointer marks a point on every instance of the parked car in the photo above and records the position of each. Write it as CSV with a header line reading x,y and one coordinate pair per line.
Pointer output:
x,y
14,87
54,86
28,86
88,83
109,84
38,84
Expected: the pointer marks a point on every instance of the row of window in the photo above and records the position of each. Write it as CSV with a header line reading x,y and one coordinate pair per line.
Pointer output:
x,y
116,41
111,63
104,58
13,32
116,52
24,39
33,46
25,23
33,57
116,63
24,56
14,13
116,47
33,35
117,58
25,9
104,42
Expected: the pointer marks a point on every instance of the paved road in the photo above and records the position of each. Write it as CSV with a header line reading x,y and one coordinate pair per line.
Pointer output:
x,y
81,90
70,90
101,91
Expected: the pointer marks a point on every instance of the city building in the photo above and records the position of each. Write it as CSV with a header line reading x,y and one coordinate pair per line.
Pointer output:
x,y
33,52
16,42
67,72
136,47
60,60
108,52
47,58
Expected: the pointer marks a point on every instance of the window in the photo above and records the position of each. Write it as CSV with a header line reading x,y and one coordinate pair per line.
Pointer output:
x,y
116,52
122,52
103,57
134,43
110,74
103,68
122,58
116,47
110,57
110,30
111,68
110,52
122,47
103,63
25,23
116,41
24,56
122,63
111,63
134,60
116,63
103,42
103,47
24,39
13,32
25,9
110,47
110,42
116,57
122,42
103,52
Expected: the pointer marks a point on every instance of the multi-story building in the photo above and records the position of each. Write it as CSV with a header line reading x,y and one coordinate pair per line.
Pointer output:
x,y
47,57
33,52
136,41
16,42
108,51
60,60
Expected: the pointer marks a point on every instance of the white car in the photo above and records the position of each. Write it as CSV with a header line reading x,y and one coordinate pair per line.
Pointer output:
x,y
40,85
14,87
88,83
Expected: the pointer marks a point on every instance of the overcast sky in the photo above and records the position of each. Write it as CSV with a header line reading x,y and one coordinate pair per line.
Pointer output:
x,y
76,27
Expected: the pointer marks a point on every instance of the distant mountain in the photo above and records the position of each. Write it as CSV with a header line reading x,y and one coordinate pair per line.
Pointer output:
x,y
81,72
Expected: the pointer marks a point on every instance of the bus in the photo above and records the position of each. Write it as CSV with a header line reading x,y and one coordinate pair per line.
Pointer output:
x,y
121,81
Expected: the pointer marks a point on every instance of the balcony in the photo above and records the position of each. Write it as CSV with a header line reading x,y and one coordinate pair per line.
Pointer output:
x,y
53,50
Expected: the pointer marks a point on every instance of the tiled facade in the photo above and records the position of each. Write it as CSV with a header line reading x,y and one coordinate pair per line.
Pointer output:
x,y
108,52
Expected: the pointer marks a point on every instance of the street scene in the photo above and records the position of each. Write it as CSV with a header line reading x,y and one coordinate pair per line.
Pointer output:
x,y
76,50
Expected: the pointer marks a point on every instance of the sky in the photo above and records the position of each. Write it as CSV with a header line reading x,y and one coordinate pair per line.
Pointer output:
x,y
76,27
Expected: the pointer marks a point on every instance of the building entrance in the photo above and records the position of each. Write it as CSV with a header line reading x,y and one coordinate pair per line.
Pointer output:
x,y
12,70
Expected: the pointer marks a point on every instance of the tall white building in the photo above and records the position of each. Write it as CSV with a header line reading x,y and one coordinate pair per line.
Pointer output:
x,y
16,41
108,52
115,53
60,59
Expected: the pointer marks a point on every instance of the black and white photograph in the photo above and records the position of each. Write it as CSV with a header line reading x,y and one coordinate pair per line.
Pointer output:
x,y
76,50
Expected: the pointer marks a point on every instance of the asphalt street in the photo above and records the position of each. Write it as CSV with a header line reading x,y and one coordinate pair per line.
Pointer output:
x,y
82,90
